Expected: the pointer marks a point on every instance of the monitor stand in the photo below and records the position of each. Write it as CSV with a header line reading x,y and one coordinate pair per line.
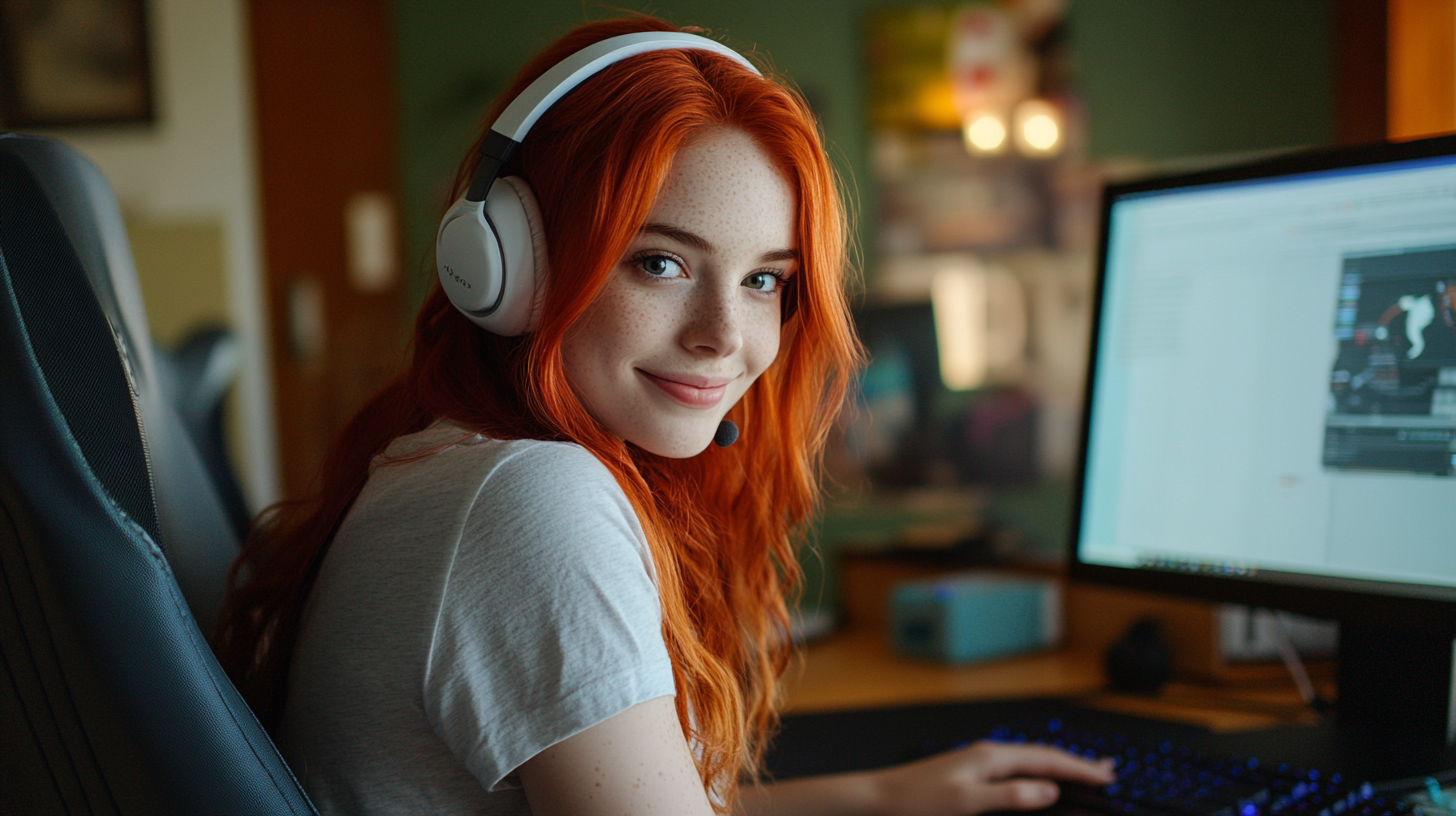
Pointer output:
x,y
1395,705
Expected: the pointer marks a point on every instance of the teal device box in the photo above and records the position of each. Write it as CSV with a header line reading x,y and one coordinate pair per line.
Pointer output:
x,y
967,617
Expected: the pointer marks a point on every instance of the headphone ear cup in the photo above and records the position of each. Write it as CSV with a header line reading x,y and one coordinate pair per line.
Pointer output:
x,y
537,229
487,255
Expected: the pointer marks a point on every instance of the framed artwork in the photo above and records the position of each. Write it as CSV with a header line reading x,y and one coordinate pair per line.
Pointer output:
x,y
73,62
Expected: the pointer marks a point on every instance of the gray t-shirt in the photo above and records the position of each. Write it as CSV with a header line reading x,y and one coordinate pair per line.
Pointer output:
x,y
477,606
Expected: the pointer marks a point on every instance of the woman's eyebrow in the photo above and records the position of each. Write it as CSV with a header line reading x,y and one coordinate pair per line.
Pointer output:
x,y
680,235
702,244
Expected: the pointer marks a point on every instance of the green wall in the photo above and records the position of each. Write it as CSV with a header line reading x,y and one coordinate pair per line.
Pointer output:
x,y
454,56
1161,78
1170,78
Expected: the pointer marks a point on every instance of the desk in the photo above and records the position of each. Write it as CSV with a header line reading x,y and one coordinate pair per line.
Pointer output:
x,y
856,669
852,703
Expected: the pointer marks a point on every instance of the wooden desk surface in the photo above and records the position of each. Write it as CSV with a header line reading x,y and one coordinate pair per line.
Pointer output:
x,y
857,669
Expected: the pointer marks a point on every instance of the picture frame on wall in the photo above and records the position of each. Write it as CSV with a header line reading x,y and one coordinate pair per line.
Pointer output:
x,y
74,62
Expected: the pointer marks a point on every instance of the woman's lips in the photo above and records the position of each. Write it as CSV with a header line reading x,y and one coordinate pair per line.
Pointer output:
x,y
699,392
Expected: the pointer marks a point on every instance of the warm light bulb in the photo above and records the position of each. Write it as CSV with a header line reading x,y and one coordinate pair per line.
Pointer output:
x,y
985,133
1040,132
1038,128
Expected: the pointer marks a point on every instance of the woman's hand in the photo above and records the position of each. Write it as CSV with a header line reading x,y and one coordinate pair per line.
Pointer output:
x,y
983,777
976,779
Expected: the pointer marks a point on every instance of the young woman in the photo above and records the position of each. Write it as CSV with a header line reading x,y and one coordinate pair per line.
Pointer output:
x,y
529,584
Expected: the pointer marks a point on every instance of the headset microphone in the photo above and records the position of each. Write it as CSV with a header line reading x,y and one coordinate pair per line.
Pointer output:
x,y
727,434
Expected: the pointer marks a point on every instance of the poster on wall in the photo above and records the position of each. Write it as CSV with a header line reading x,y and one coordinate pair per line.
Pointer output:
x,y
73,62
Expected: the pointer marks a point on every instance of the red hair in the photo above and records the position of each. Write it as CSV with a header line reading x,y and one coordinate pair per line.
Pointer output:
x,y
719,524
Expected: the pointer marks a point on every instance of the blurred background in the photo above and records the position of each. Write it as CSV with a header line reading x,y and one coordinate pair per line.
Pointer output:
x,y
283,163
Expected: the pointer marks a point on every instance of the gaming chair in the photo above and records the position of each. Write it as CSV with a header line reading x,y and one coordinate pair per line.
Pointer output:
x,y
113,541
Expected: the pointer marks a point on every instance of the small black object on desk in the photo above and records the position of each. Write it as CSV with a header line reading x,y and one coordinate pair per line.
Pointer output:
x,y
1142,661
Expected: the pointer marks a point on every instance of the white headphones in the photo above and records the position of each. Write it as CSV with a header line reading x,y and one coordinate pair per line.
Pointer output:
x,y
490,251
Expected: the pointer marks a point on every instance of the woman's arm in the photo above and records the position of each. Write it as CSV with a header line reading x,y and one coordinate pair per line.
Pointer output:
x,y
638,762
982,777
635,762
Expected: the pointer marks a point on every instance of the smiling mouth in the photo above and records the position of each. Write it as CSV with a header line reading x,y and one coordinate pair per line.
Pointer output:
x,y
706,395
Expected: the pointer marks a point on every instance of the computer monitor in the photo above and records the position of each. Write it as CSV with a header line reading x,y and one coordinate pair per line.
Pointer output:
x,y
1271,412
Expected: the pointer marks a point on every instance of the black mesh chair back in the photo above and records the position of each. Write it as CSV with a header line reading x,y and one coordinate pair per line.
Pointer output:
x,y
113,544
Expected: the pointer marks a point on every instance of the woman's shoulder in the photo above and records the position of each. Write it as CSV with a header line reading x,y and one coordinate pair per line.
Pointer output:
x,y
541,500
508,476
448,446
526,498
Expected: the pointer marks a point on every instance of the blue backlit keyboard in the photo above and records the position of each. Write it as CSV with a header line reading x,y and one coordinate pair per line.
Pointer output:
x,y
1165,779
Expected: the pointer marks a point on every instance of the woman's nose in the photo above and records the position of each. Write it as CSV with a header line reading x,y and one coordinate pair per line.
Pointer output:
x,y
713,327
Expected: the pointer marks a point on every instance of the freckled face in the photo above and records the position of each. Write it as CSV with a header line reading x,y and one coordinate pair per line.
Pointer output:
x,y
691,315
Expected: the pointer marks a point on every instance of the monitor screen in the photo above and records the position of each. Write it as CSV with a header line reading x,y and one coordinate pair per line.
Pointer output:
x,y
1273,393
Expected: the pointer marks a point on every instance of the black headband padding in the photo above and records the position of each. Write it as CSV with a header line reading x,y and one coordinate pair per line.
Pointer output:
x,y
495,151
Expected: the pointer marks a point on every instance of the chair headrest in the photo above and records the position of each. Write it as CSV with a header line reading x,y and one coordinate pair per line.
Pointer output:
x,y
62,240
65,247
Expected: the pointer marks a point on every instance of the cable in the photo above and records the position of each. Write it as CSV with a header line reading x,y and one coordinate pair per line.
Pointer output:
x,y
1293,663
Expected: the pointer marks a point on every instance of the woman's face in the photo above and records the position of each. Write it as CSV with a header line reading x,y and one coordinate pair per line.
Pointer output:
x,y
691,315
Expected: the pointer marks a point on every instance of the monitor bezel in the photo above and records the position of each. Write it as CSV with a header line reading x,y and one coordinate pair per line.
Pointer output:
x,y
1367,601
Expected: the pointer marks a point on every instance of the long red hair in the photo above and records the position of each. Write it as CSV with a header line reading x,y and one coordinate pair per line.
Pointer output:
x,y
719,524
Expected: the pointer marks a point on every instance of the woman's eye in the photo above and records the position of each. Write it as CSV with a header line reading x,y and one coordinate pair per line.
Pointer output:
x,y
763,282
660,266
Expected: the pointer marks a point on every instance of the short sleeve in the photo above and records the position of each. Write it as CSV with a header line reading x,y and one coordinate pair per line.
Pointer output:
x,y
550,621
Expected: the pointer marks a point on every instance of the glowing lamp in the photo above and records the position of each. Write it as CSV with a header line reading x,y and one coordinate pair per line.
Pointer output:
x,y
1038,128
985,134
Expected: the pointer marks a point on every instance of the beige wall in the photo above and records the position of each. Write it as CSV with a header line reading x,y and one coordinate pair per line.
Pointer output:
x,y
188,188
182,267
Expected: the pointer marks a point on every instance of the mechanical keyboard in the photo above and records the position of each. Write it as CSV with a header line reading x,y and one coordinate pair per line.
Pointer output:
x,y
1165,779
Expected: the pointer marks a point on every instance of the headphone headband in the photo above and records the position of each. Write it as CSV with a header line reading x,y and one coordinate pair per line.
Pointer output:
x,y
490,249
511,127
518,117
